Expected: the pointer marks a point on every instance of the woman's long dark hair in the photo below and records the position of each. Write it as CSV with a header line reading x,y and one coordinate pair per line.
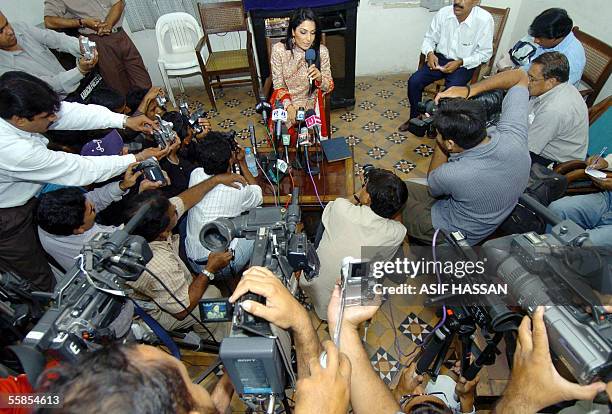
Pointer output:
x,y
300,16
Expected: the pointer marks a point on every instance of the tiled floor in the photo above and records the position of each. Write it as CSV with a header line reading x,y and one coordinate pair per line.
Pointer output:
x,y
370,128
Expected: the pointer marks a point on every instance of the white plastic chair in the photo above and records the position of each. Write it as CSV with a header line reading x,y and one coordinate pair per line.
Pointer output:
x,y
180,58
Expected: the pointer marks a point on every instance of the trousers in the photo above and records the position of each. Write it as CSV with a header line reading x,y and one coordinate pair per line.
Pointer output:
x,y
424,76
120,63
20,250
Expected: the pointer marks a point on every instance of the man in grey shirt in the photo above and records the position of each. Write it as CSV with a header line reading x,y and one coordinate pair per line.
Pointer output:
x,y
558,115
66,218
474,179
26,48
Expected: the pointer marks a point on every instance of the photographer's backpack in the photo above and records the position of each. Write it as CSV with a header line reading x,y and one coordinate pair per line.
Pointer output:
x,y
544,185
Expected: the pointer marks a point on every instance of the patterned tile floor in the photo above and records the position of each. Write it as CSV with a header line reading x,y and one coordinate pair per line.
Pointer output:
x,y
370,128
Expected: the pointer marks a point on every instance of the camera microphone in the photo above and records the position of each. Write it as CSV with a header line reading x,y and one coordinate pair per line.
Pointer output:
x,y
310,57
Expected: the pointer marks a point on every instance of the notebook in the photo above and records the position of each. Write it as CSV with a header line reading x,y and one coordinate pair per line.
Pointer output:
x,y
336,149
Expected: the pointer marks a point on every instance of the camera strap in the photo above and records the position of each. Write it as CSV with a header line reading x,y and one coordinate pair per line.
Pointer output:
x,y
159,331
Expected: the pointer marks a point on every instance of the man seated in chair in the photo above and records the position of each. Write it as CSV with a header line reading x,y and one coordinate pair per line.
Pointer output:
x,y
459,39
552,32
593,212
476,176
371,217
558,116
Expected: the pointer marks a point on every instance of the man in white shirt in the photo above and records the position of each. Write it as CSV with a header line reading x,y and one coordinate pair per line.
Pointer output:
x,y
216,157
28,108
27,48
459,39
370,218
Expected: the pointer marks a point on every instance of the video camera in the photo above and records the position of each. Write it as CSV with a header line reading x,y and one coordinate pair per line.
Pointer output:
x,y
491,101
463,314
87,48
193,117
257,354
560,270
89,305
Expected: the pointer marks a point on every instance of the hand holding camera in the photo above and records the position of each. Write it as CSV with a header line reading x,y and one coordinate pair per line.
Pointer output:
x,y
89,55
130,177
452,92
281,308
535,382
151,170
353,315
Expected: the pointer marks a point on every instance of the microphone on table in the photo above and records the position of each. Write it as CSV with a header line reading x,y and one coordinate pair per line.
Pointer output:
x,y
313,122
279,116
286,138
263,108
300,116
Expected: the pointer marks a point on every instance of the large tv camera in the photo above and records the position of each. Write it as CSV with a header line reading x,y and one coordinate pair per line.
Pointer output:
x,y
421,126
89,306
257,354
462,314
560,271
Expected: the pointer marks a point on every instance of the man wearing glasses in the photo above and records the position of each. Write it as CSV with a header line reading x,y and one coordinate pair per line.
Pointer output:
x,y
558,116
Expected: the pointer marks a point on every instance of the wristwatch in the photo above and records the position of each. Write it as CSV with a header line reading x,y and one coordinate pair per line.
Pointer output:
x,y
208,274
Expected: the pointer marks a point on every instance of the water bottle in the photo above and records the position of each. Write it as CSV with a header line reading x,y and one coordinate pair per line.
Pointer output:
x,y
250,161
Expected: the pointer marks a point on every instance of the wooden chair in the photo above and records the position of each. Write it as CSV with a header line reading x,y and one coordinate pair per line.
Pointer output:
x,y
225,17
500,17
268,88
598,65
578,181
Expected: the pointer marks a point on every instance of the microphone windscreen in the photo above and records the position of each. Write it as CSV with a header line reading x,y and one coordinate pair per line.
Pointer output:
x,y
310,112
310,56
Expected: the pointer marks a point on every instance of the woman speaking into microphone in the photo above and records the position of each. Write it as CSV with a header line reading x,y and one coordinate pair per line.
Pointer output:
x,y
301,73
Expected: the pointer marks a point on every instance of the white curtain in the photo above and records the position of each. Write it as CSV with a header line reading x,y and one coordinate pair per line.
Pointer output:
x,y
143,14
